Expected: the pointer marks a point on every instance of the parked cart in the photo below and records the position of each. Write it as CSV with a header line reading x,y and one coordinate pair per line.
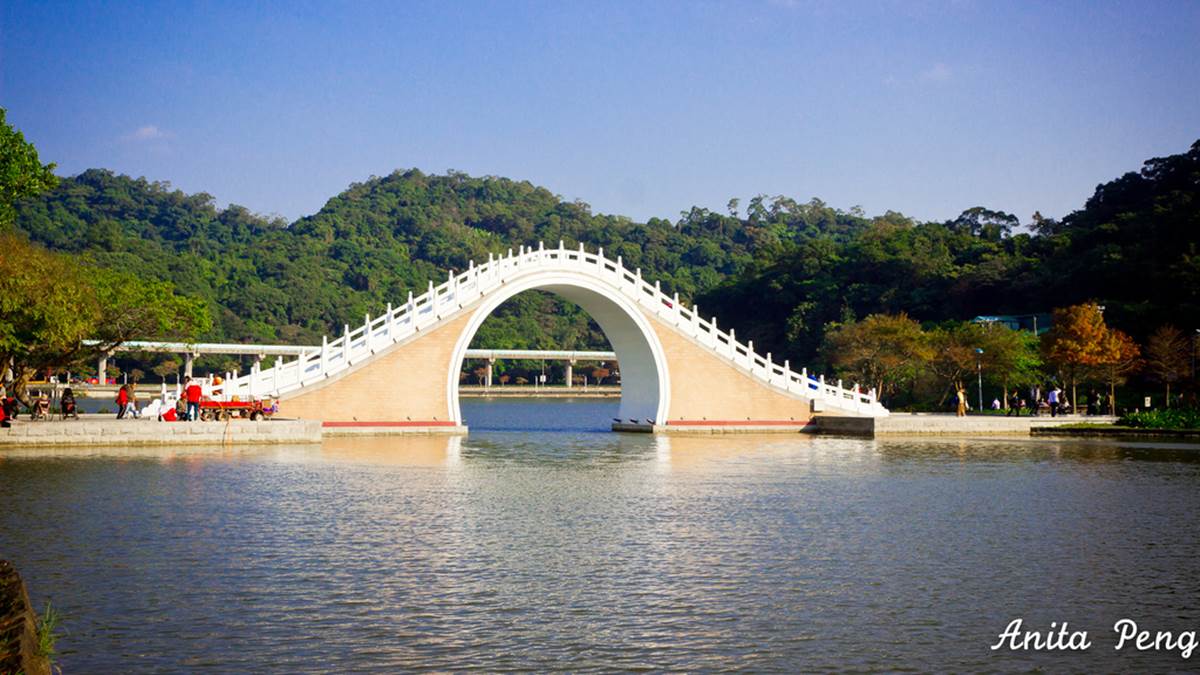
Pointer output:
x,y
224,410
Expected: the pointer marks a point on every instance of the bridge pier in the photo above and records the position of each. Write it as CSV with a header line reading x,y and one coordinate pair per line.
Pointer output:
x,y
570,372
188,360
489,372
102,369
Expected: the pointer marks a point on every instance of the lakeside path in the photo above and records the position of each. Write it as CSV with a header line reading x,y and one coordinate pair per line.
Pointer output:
x,y
104,430
945,424
151,391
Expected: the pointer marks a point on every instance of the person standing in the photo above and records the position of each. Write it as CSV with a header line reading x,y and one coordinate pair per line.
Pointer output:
x,y
962,402
1014,404
1052,399
192,392
122,401
131,408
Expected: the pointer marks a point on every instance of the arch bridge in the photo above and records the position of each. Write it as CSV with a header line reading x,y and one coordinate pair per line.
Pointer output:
x,y
680,372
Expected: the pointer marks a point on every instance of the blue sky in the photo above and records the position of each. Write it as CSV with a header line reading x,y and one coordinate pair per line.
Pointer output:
x,y
638,108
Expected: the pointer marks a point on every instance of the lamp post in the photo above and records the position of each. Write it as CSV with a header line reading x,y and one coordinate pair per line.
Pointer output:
x,y
979,375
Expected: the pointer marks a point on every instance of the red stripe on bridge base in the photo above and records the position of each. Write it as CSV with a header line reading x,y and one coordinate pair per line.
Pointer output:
x,y
737,423
408,423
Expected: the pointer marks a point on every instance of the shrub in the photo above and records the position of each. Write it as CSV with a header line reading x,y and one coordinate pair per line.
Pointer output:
x,y
1172,418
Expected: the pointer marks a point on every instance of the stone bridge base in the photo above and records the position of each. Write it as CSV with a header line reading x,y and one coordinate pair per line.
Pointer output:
x,y
720,427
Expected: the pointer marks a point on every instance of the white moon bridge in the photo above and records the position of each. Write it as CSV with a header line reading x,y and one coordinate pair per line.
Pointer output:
x,y
679,372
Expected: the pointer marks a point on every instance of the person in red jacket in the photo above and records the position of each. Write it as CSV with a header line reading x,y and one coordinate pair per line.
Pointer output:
x,y
122,401
192,392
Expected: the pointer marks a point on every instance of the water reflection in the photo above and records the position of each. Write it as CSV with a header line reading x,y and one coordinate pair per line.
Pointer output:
x,y
576,550
1010,449
401,450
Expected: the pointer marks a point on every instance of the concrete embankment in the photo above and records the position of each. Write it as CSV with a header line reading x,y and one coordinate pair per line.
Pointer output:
x,y
719,427
940,424
18,627
1127,433
113,432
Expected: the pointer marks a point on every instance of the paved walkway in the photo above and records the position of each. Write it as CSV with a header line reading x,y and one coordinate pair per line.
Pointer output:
x,y
917,424
105,430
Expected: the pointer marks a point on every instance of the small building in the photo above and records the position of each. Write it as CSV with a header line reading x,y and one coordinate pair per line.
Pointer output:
x,y
1037,323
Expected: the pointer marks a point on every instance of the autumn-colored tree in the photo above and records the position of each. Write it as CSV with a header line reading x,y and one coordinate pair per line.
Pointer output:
x,y
882,351
1167,356
1121,357
167,367
1077,343
600,374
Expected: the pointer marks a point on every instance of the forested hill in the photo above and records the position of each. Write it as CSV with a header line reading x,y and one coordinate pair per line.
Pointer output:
x,y
1133,248
777,269
370,245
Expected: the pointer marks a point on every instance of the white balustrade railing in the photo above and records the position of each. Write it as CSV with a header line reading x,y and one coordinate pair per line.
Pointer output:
x,y
460,290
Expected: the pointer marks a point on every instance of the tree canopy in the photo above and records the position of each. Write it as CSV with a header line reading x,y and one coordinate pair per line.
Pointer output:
x,y
780,270
22,174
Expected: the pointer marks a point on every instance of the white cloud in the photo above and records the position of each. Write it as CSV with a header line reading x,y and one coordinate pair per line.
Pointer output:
x,y
938,72
146,134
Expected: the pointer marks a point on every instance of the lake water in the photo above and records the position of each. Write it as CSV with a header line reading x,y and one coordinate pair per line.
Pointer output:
x,y
544,542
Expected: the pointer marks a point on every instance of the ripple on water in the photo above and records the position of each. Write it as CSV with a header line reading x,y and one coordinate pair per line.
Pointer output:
x,y
543,550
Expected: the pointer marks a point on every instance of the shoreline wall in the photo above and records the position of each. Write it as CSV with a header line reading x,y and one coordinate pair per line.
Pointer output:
x,y
114,432
18,626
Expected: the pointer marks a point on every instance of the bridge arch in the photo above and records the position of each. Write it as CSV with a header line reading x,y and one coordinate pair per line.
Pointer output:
x,y
679,370
645,377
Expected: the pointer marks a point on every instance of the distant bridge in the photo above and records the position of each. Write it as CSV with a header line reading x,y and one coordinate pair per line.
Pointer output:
x,y
191,351
679,371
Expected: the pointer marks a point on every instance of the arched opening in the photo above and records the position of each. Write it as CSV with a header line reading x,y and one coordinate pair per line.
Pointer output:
x,y
644,379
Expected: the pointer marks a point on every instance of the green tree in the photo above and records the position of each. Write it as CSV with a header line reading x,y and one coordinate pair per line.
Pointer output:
x,y
51,303
47,308
134,308
1010,357
21,172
